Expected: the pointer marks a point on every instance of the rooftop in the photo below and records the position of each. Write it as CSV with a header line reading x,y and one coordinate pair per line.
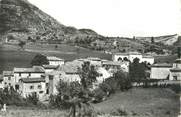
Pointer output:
x,y
175,70
71,67
54,58
162,65
34,69
50,66
147,56
178,61
128,53
8,73
32,80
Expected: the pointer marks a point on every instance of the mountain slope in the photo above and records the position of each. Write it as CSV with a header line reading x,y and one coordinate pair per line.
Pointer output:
x,y
166,40
22,19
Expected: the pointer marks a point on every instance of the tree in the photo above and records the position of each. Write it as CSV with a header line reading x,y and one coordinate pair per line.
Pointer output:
x,y
179,52
39,60
124,83
22,44
125,59
137,70
56,46
88,75
75,95
152,40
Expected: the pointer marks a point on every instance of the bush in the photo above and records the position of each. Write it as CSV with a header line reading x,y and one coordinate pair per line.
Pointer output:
x,y
99,94
33,98
119,112
176,88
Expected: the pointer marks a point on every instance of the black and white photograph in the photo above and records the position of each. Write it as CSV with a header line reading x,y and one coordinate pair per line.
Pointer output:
x,y
90,58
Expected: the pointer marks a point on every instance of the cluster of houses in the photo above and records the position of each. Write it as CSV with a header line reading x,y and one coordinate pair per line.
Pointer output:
x,y
43,80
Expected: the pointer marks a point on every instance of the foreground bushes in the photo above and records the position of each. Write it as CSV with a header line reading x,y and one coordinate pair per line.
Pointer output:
x,y
10,97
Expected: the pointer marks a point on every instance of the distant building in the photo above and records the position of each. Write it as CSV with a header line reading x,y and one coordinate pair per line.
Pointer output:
x,y
160,71
34,72
131,56
175,72
1,82
8,79
28,86
55,61
50,68
115,66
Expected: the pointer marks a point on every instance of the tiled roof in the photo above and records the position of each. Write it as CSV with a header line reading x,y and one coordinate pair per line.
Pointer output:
x,y
162,65
128,53
71,67
34,69
175,70
54,58
50,66
8,73
178,61
32,80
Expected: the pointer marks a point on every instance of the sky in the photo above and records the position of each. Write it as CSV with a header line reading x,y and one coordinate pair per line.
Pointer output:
x,y
124,18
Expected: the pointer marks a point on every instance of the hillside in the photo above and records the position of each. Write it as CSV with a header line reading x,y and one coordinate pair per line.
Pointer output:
x,y
166,39
20,19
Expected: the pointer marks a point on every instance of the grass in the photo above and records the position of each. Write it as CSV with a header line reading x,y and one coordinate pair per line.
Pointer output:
x,y
154,102
137,102
12,56
31,112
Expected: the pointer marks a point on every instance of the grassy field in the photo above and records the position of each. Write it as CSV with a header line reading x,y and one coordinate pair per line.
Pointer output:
x,y
138,102
12,56
152,102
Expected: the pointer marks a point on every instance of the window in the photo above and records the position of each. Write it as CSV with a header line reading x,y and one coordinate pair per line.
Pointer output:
x,y
9,78
47,84
31,87
41,92
39,86
29,74
19,74
17,87
174,77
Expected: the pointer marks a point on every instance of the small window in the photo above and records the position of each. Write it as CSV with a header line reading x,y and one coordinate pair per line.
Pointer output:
x,y
9,84
39,86
41,92
47,84
31,87
9,78
17,87
20,74
5,83
29,74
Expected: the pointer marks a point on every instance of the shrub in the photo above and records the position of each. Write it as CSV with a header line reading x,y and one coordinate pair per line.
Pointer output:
x,y
176,88
33,98
99,94
119,112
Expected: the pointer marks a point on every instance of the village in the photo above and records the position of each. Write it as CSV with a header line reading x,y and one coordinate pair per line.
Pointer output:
x,y
43,80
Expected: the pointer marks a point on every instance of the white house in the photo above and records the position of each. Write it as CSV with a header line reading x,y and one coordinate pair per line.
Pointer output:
x,y
175,72
160,71
8,78
131,56
115,66
50,68
28,86
1,82
34,72
55,60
